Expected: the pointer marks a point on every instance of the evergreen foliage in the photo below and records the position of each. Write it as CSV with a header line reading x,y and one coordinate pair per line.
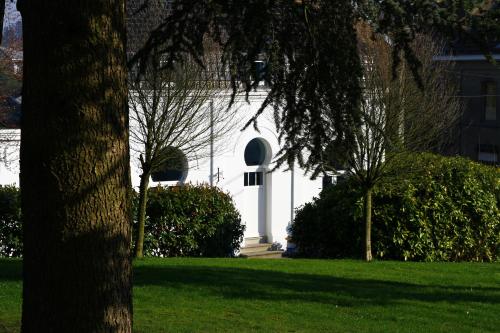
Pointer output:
x,y
11,238
330,226
448,212
197,221
310,48
181,221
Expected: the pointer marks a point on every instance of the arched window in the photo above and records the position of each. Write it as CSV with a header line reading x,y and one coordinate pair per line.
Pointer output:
x,y
174,167
255,152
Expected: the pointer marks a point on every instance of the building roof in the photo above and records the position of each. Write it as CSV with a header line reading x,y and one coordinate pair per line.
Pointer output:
x,y
143,16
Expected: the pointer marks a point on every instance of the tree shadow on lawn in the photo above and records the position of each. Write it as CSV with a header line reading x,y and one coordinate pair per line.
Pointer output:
x,y
244,283
10,269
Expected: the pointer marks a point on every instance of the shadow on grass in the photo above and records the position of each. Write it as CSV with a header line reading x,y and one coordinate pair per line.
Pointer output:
x,y
10,269
244,283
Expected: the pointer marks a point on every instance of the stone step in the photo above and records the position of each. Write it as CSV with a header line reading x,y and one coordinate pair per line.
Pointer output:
x,y
257,240
262,255
262,247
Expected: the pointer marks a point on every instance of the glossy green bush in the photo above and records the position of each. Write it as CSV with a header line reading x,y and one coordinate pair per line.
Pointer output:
x,y
11,244
448,212
191,221
446,209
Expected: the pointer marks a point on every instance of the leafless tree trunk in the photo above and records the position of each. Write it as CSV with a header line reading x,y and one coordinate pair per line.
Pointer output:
x,y
175,111
398,116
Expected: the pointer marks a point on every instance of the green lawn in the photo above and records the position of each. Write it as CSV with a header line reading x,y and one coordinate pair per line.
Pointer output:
x,y
237,295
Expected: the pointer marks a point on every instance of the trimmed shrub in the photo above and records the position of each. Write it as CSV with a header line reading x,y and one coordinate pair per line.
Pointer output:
x,y
448,211
330,226
191,221
11,235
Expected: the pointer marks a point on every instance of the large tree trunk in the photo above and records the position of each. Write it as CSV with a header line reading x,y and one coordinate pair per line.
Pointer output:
x,y
75,177
368,224
141,213
2,14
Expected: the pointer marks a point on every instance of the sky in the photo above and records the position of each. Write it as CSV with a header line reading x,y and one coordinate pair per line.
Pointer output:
x,y
11,13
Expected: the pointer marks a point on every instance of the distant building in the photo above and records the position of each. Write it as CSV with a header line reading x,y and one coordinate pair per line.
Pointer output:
x,y
267,200
478,133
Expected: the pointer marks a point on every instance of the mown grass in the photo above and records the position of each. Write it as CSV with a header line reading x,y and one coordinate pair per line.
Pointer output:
x,y
236,295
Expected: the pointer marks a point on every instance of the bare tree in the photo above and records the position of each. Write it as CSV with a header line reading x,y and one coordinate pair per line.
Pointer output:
x,y
9,149
397,115
177,115
10,101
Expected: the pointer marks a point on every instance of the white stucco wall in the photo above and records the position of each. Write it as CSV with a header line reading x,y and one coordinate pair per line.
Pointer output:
x,y
266,210
9,156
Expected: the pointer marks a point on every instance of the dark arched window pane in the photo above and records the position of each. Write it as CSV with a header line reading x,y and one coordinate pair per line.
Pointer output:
x,y
173,169
255,152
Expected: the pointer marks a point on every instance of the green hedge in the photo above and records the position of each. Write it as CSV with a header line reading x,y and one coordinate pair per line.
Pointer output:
x,y
330,226
11,244
191,221
184,221
448,211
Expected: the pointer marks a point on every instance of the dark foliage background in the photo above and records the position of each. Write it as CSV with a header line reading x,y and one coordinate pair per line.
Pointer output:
x,y
11,236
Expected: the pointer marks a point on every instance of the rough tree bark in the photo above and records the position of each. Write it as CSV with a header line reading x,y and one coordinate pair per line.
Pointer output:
x,y
75,178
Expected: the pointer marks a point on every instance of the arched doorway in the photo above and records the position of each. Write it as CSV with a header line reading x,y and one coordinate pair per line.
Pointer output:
x,y
257,156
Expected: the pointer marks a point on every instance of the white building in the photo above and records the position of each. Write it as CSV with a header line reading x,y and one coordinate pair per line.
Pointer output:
x,y
266,200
